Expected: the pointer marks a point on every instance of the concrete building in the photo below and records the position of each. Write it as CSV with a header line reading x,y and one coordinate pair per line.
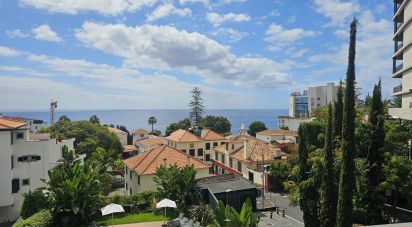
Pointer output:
x,y
140,169
149,143
298,105
291,123
120,134
23,162
321,96
402,57
199,145
277,135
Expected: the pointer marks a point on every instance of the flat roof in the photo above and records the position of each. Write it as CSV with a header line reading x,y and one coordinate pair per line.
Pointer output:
x,y
225,182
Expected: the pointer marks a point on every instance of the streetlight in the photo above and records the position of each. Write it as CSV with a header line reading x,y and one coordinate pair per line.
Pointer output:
x,y
410,149
227,195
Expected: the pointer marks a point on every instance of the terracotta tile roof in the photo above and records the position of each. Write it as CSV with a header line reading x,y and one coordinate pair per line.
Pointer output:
x,y
149,142
182,135
239,137
208,134
279,132
16,118
140,131
257,150
147,162
129,148
11,124
116,131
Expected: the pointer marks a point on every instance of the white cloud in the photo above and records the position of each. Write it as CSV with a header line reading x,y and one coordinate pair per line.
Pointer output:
x,y
105,7
165,47
217,19
336,10
204,2
167,9
8,52
45,33
16,33
296,53
279,37
229,34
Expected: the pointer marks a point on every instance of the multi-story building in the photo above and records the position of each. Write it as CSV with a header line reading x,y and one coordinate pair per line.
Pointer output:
x,y
291,123
23,162
198,144
321,96
402,57
120,134
298,104
140,169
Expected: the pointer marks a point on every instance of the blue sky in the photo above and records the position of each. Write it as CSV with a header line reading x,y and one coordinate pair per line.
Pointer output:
x,y
149,54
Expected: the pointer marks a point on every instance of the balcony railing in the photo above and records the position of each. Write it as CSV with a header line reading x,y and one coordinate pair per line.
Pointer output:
x,y
397,68
397,88
399,46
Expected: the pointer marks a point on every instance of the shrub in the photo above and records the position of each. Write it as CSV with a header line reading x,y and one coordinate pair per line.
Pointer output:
x,y
43,218
33,202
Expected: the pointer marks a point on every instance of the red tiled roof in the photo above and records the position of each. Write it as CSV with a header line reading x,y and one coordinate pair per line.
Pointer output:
x,y
148,142
208,134
147,162
129,148
257,151
279,132
140,131
182,135
11,124
116,131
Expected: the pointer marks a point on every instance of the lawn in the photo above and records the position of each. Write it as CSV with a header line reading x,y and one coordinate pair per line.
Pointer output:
x,y
130,218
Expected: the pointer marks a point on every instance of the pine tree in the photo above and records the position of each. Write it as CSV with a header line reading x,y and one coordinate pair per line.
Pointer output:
x,y
196,106
328,186
337,113
346,181
374,202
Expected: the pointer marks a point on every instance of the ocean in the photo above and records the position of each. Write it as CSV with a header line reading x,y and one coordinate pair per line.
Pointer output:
x,y
133,119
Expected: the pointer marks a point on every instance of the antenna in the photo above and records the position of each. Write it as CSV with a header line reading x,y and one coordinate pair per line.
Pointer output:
x,y
53,105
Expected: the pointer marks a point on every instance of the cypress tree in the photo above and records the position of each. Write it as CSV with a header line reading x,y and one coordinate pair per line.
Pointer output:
x,y
328,186
374,159
337,113
346,181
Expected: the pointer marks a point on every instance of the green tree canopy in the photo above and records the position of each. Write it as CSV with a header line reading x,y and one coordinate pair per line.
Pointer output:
x,y
94,119
256,126
218,124
196,106
152,121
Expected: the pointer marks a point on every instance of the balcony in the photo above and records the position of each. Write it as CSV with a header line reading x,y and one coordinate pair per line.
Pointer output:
x,y
399,46
398,68
397,88
397,4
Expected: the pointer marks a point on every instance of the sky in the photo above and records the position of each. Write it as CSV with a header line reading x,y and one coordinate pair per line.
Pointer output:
x,y
149,54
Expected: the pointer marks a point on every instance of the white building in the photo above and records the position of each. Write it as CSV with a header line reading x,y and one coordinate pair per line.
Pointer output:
x,y
139,134
321,96
291,123
298,104
120,134
277,135
33,124
402,58
140,169
23,162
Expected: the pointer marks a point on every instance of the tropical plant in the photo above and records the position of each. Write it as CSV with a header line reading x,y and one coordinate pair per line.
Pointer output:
x,y
196,106
256,126
94,119
155,132
218,124
43,218
344,212
278,173
226,216
152,121
33,202
202,213
395,102
182,124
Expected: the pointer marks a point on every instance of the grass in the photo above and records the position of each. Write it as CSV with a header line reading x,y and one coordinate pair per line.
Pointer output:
x,y
146,216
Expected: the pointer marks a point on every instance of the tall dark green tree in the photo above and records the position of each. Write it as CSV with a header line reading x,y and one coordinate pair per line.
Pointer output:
x,y
152,120
328,186
196,106
94,119
346,181
337,113
374,160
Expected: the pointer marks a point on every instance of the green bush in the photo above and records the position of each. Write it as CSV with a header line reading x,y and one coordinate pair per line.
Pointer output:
x,y
43,218
33,202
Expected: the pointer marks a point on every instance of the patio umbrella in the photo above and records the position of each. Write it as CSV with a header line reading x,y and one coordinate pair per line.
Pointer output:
x,y
111,209
166,203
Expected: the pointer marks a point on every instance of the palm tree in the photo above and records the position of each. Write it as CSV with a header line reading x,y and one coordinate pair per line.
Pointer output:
x,y
152,120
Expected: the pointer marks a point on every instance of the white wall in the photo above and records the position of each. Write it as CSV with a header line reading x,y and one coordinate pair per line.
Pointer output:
x,y
291,123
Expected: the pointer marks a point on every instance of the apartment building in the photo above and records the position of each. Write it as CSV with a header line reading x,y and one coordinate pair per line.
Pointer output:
x,y
23,162
120,134
402,57
140,169
198,144
298,104
321,96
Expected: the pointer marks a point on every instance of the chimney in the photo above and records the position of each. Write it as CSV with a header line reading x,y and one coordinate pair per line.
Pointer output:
x,y
245,149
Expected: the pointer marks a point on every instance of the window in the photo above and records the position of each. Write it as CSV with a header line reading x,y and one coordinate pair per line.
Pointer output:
x,y
207,146
29,158
127,186
15,185
216,156
138,179
192,152
207,157
221,143
215,144
131,192
318,98
25,182
223,158
12,162
11,138
19,135
230,162
239,166
200,152
233,146
131,176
